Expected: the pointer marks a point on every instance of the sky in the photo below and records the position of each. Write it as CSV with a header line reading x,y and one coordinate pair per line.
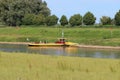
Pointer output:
x,y
70,7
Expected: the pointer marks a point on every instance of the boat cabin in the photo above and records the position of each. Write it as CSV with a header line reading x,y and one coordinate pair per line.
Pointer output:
x,y
61,41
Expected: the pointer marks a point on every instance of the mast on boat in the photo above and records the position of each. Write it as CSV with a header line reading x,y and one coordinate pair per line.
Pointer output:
x,y
62,34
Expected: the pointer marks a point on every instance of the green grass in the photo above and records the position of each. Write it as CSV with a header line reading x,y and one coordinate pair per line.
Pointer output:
x,y
19,66
87,36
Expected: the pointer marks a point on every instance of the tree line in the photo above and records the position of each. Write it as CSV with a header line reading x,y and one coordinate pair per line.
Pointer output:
x,y
36,12
13,12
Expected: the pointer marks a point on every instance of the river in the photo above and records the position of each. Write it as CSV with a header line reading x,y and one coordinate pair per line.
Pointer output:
x,y
62,51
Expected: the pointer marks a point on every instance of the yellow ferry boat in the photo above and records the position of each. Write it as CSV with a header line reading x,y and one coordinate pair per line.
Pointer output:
x,y
60,43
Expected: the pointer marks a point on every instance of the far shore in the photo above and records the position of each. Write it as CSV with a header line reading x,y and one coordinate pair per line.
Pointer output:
x,y
99,47
80,46
23,43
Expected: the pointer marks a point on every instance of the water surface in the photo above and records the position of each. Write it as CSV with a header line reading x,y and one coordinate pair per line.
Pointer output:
x,y
60,51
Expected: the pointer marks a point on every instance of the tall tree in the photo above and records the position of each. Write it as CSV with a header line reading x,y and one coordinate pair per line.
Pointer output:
x,y
89,19
105,20
39,19
28,19
12,11
75,20
117,18
51,20
63,20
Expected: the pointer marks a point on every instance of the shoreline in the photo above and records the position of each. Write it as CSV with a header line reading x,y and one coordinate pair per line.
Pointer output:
x,y
22,43
98,47
80,46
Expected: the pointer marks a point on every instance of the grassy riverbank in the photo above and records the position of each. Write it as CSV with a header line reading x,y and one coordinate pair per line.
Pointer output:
x,y
19,66
87,36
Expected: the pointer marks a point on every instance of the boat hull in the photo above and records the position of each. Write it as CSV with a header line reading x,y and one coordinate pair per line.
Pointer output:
x,y
48,45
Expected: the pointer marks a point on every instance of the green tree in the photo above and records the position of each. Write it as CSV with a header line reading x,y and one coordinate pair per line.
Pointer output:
x,y
51,20
117,18
28,19
105,20
63,20
13,11
39,19
72,21
112,21
75,20
89,19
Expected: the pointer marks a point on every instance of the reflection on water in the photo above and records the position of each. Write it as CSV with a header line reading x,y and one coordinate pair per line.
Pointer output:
x,y
54,50
62,51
